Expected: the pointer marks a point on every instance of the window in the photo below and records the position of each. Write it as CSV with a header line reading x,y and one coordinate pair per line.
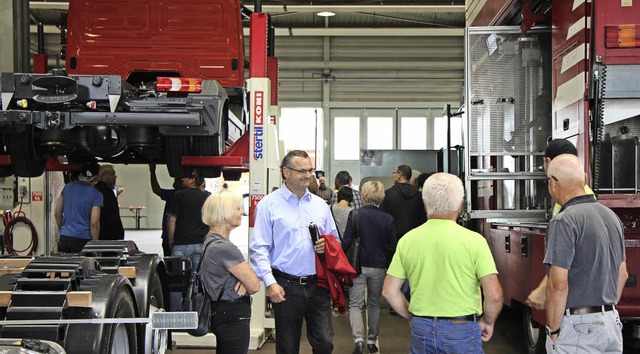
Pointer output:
x,y
297,128
413,133
346,138
440,132
379,133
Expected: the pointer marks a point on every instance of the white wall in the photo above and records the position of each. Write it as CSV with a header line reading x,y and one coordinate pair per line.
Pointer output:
x,y
137,192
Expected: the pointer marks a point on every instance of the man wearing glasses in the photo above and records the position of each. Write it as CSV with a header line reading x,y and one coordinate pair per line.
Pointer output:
x,y
283,257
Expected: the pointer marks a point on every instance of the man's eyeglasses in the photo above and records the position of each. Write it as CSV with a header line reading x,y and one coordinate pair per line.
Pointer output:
x,y
549,178
310,171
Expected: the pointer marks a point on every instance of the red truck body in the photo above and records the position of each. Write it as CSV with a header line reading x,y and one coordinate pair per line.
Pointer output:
x,y
595,99
194,38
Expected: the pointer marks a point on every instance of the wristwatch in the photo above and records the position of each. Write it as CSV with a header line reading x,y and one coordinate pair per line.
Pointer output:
x,y
552,333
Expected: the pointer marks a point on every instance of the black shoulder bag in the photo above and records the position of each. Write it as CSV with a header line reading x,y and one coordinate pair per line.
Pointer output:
x,y
353,253
200,301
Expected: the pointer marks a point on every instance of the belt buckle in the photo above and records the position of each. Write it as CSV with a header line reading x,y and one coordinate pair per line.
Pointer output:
x,y
303,281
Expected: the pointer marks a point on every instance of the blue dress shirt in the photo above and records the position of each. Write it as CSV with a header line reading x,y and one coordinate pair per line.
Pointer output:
x,y
281,238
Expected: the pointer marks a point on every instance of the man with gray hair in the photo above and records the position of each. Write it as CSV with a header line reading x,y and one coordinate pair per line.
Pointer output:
x,y
446,266
586,266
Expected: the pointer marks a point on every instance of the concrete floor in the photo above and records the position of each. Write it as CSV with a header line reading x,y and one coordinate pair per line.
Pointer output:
x,y
394,336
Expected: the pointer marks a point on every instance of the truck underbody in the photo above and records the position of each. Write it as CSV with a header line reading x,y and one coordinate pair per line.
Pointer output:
x,y
81,118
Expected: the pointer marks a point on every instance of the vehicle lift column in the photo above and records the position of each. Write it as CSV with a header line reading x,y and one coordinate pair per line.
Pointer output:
x,y
264,152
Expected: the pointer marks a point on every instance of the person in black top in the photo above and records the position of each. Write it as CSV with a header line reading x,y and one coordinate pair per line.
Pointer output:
x,y
185,228
110,223
403,201
166,195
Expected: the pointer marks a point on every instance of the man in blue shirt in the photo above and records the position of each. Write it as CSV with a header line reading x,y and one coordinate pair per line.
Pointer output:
x,y
283,256
77,212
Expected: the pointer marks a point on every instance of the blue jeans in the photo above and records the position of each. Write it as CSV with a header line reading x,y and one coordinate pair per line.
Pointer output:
x,y
192,252
443,336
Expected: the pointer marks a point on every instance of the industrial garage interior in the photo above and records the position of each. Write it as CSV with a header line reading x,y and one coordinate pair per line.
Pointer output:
x,y
476,88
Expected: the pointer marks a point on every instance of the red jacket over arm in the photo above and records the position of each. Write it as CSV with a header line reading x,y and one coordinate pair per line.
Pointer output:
x,y
334,271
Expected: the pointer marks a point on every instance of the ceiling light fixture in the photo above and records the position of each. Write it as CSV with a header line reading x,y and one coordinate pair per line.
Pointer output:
x,y
326,14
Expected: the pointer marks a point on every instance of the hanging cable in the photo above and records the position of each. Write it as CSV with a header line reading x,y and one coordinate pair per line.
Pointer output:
x,y
10,222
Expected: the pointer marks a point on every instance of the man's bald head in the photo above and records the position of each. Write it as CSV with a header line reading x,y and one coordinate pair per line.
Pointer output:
x,y
567,169
566,178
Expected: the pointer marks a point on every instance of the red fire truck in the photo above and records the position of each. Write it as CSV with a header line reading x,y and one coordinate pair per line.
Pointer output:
x,y
574,77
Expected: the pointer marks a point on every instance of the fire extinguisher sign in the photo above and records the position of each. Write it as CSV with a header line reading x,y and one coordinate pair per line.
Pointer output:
x,y
36,196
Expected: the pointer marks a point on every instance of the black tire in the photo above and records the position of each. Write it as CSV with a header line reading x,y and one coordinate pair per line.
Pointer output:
x,y
154,341
232,175
27,158
175,147
156,294
5,171
120,338
207,146
534,334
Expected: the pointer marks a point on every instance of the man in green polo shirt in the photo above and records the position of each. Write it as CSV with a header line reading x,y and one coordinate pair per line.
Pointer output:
x,y
446,266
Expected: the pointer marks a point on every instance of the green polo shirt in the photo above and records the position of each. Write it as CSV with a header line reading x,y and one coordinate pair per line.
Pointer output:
x,y
443,262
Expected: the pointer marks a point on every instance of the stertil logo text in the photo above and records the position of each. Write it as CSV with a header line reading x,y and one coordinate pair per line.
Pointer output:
x,y
257,142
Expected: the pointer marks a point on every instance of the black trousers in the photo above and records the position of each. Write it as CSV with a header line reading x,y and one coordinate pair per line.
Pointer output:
x,y
231,327
71,244
166,249
303,302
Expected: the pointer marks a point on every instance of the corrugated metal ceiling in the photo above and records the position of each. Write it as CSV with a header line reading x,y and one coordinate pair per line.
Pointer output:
x,y
302,13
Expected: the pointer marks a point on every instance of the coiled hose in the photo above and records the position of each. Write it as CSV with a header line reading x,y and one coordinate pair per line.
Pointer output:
x,y
598,132
9,222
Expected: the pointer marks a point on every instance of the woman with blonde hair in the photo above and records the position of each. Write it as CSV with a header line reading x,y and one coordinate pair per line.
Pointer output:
x,y
378,239
225,271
